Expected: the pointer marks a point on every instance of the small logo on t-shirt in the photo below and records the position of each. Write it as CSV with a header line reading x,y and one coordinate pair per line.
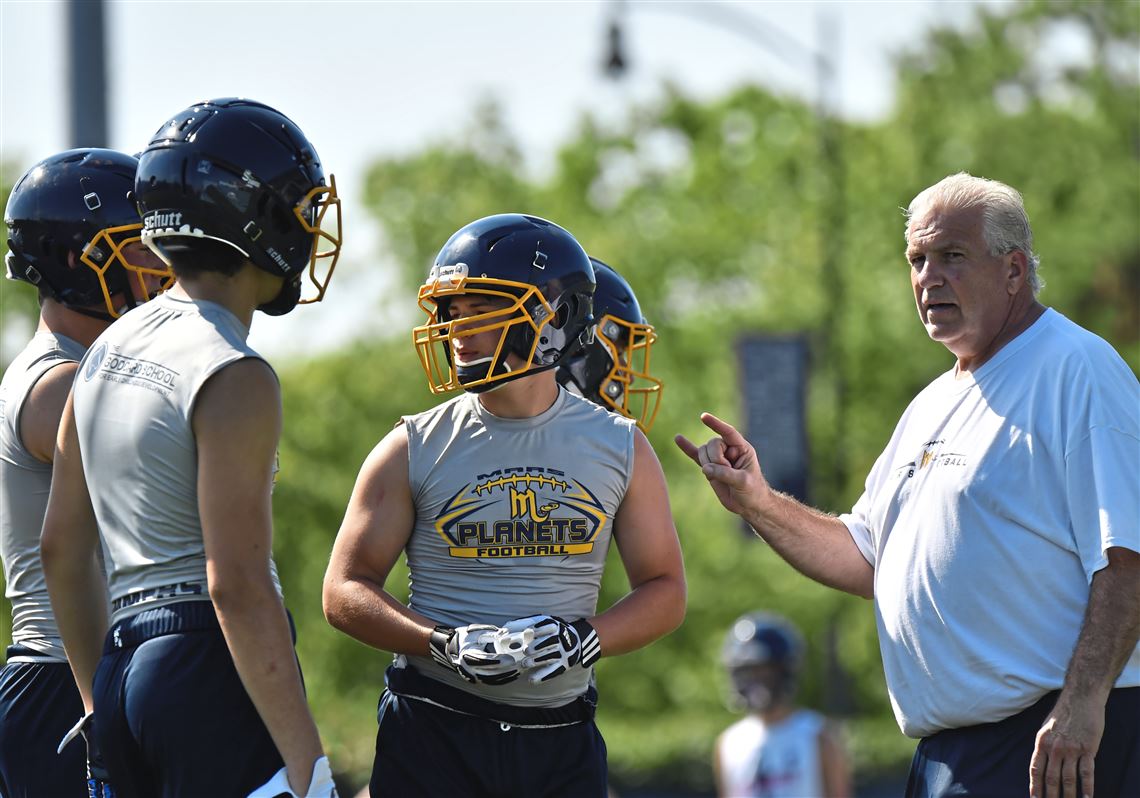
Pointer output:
x,y
94,361
931,457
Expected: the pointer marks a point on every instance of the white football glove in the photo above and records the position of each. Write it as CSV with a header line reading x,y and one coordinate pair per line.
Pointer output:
x,y
557,645
320,785
98,780
480,653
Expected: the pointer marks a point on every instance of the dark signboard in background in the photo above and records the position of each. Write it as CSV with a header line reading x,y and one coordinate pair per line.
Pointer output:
x,y
773,381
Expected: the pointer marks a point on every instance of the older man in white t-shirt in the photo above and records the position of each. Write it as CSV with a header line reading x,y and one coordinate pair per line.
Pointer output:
x,y
998,532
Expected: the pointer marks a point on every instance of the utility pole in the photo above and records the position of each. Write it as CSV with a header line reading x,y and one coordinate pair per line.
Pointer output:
x,y
87,73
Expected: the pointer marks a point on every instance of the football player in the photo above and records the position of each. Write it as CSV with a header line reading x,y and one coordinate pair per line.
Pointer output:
x,y
167,453
779,750
73,234
614,368
505,499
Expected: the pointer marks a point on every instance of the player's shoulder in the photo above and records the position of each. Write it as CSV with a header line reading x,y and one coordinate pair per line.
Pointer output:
x,y
745,729
585,411
449,410
809,721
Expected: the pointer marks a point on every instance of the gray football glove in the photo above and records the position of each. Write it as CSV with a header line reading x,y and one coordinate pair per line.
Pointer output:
x,y
557,646
480,653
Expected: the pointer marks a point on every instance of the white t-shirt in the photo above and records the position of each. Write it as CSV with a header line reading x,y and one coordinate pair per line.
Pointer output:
x,y
986,517
778,761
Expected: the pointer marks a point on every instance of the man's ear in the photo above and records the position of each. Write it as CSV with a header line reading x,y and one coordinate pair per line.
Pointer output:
x,y
1018,271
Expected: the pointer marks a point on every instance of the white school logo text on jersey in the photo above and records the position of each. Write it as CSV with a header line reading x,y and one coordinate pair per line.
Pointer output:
x,y
525,511
141,373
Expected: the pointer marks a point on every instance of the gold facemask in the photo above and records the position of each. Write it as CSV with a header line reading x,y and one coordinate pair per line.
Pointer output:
x,y
313,213
525,311
148,276
629,388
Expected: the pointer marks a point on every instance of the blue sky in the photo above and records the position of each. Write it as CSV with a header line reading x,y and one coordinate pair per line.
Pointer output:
x,y
365,79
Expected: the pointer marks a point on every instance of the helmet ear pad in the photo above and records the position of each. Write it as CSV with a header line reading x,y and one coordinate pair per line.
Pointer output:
x,y
585,370
562,336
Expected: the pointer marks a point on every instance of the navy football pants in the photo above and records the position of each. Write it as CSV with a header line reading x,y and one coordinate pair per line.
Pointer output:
x,y
171,715
427,750
992,759
39,703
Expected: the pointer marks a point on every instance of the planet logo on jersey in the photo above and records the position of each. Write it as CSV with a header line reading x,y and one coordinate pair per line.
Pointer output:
x,y
93,362
526,511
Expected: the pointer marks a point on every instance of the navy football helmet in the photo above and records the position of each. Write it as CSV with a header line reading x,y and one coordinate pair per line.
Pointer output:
x,y
763,654
538,281
613,370
73,233
240,173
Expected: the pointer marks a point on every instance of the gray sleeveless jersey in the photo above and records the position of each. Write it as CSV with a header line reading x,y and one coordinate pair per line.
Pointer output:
x,y
134,396
24,486
513,518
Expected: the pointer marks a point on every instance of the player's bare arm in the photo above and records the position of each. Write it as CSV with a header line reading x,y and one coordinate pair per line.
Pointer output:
x,y
647,542
718,769
834,765
816,544
372,536
69,549
39,420
237,424
1067,743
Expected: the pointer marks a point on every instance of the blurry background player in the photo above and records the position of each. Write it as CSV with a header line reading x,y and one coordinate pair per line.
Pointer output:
x,y
505,499
614,369
779,750
74,235
167,453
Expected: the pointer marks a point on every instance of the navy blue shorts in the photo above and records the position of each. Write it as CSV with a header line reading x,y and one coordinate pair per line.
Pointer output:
x,y
992,759
171,715
39,703
425,749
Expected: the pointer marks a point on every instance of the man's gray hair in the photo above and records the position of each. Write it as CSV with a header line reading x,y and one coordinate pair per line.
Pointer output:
x,y
1006,225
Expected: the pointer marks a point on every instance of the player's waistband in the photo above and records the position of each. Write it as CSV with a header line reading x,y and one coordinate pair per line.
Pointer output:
x,y
408,682
18,653
171,619
186,590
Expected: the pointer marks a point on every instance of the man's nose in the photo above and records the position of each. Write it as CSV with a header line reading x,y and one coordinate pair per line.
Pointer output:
x,y
930,273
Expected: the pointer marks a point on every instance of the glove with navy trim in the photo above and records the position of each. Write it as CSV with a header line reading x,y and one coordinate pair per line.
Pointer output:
x,y
480,653
321,783
558,645
98,780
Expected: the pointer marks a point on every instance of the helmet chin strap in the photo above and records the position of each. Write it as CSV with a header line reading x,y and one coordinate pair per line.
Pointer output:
x,y
496,384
